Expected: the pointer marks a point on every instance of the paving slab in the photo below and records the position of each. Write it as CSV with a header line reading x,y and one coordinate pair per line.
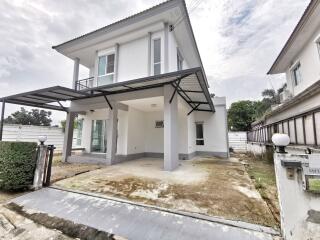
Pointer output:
x,y
129,220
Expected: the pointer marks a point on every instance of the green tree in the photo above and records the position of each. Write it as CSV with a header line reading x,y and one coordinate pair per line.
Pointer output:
x,y
34,117
241,114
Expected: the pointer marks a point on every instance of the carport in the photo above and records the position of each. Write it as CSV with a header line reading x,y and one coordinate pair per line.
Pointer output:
x,y
189,84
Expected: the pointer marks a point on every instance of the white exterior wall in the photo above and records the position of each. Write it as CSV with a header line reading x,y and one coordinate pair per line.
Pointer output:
x,y
154,136
133,59
310,66
215,128
136,131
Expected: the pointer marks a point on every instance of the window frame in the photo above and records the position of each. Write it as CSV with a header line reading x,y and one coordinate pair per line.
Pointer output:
x,y
153,56
294,69
199,140
106,74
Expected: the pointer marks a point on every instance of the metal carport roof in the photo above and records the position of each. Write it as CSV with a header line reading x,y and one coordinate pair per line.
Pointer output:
x,y
189,84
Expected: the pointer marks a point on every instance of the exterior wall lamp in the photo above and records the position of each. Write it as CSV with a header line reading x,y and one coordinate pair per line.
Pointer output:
x,y
280,141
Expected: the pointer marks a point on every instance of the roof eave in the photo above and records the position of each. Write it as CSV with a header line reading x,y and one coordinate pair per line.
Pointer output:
x,y
305,16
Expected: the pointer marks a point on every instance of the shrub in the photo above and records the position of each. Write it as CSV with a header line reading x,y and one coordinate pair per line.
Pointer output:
x,y
17,164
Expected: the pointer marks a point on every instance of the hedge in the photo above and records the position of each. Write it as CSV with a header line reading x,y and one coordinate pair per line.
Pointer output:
x,y
17,164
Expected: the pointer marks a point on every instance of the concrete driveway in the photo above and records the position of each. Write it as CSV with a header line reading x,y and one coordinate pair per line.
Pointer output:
x,y
133,221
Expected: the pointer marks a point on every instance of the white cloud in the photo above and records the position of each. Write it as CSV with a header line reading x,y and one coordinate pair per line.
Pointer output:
x,y
238,40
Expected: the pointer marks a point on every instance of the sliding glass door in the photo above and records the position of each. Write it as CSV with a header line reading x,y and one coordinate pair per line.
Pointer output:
x,y
98,136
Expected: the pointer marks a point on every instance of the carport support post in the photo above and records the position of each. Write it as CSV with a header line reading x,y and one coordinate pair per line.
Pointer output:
x,y
68,136
171,155
112,134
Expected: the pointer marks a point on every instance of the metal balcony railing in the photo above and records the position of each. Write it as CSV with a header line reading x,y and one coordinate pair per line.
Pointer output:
x,y
84,83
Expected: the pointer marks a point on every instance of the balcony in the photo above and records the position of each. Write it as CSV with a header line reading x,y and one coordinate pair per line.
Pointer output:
x,y
90,82
85,83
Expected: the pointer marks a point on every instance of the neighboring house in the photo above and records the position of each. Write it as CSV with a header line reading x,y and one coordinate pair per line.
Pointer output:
x,y
298,115
146,94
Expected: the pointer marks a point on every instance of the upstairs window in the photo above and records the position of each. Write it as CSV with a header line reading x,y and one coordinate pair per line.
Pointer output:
x,y
106,69
199,134
179,60
156,56
296,72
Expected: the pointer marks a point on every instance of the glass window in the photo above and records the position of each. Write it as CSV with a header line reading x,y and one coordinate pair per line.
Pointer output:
x,y
102,66
199,134
79,131
98,139
106,70
297,75
110,65
156,56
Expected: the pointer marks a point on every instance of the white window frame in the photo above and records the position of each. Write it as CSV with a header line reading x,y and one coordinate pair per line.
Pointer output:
x,y
199,139
107,74
154,63
293,76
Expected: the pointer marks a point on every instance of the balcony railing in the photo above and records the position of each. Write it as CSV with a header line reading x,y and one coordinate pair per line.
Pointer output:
x,y
84,83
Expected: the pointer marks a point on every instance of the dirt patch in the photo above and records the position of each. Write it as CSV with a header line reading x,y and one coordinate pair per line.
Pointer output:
x,y
261,171
6,196
61,170
69,228
15,226
210,186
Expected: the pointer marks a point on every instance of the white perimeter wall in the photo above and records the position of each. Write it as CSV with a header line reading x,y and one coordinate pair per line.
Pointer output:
x,y
25,133
295,203
238,141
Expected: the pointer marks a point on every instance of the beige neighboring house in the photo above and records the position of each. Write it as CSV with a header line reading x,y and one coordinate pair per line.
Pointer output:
x,y
298,115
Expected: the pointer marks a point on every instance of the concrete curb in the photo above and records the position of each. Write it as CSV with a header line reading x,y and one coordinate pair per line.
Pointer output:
x,y
220,220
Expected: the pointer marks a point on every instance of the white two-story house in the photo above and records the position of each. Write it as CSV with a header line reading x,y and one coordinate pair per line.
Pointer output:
x,y
298,114
146,94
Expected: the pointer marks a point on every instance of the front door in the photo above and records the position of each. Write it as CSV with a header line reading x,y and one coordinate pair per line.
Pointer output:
x,y
98,136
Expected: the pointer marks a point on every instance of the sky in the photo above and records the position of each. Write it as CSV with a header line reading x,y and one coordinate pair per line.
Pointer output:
x,y
238,41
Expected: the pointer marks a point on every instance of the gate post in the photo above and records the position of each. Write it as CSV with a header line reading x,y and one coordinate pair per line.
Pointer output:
x,y
40,167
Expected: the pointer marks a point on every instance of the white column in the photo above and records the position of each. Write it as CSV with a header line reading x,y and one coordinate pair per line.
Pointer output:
x,y
112,126
149,53
76,62
171,154
68,136
166,47
116,62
